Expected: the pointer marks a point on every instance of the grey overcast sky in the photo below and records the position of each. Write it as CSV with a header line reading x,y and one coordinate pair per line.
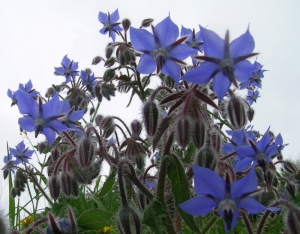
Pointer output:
x,y
35,35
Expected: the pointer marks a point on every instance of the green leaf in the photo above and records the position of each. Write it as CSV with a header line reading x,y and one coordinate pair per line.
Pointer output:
x,y
108,184
94,219
155,217
180,189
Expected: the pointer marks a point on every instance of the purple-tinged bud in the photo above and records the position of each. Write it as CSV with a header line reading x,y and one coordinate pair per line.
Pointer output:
x,y
206,157
107,122
98,120
42,146
136,128
109,74
79,174
150,116
54,187
50,167
290,167
128,221
88,71
268,176
182,129
199,133
146,23
92,111
126,24
215,139
236,112
291,188
108,51
93,172
69,186
140,161
54,154
293,220
250,114
275,181
50,92
110,62
96,60
86,151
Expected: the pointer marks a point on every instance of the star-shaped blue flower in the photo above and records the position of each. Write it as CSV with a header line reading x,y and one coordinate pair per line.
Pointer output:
x,y
257,152
28,87
88,80
110,24
68,69
160,49
9,163
252,96
40,118
255,78
21,153
227,198
224,62
70,116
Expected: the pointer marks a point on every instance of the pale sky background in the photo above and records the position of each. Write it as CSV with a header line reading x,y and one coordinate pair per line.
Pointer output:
x,y
35,35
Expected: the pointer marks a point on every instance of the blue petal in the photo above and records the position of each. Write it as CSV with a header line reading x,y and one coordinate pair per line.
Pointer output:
x,y
278,139
26,123
198,205
245,185
66,61
243,164
76,115
142,40
201,74
21,146
49,134
173,69
52,108
243,70
186,32
242,45
57,125
13,151
146,64
60,70
102,17
166,32
112,35
245,151
181,52
10,94
26,104
208,183
114,17
264,142
28,86
251,205
74,66
221,84
213,44
103,30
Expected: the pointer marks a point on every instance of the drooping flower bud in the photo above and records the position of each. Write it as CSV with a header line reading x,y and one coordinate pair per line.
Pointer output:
x,y
42,146
110,62
54,187
291,188
293,220
199,133
128,221
136,128
215,139
182,129
86,151
96,60
54,154
206,157
236,112
290,167
150,116
50,92
98,120
126,24
125,54
268,176
69,185
146,22
109,74
250,114
108,51
93,172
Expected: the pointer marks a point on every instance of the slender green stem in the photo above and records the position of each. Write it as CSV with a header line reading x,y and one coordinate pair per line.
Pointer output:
x,y
95,113
209,224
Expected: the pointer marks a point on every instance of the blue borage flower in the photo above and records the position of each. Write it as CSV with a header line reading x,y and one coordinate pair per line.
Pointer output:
x,y
9,163
224,62
68,69
160,49
213,192
110,24
88,80
256,152
28,87
21,153
252,96
40,118
255,78
279,143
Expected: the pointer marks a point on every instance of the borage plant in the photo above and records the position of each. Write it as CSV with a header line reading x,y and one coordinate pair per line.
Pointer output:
x,y
191,163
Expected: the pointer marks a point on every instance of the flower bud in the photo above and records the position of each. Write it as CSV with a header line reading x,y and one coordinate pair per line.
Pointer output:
x,y
110,62
86,151
109,74
42,146
54,187
98,119
293,220
250,114
128,221
268,176
13,192
54,154
150,115
5,173
291,188
93,172
290,167
206,157
108,51
136,128
182,128
107,122
216,140
125,54
68,185
146,22
50,92
236,112
199,133
126,24
96,60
